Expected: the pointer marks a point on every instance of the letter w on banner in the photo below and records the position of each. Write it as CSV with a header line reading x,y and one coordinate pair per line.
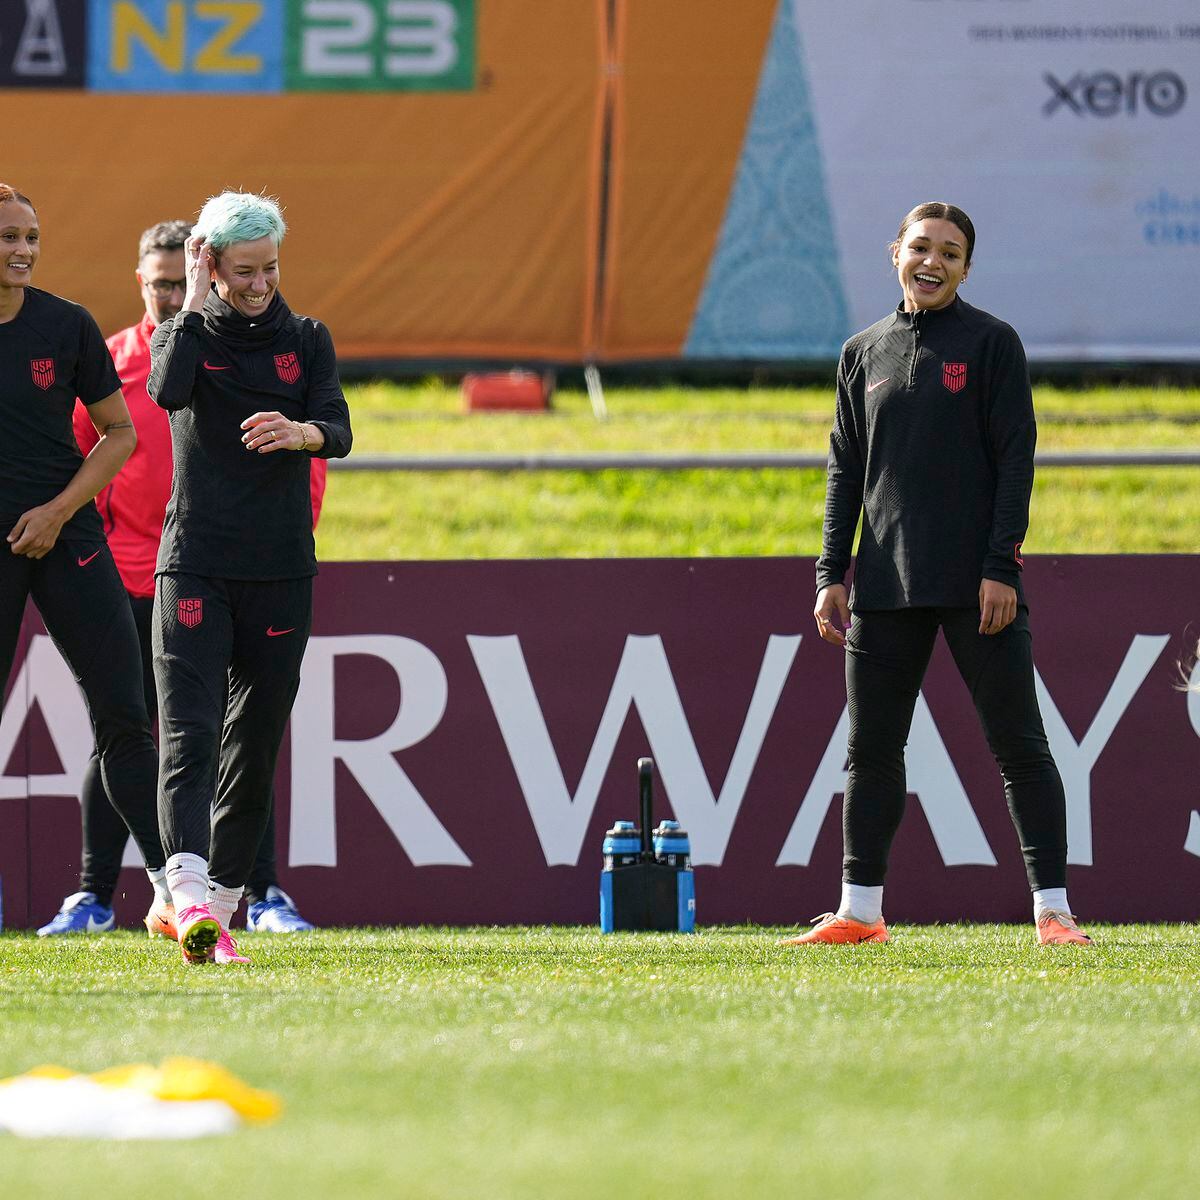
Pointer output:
x,y
644,681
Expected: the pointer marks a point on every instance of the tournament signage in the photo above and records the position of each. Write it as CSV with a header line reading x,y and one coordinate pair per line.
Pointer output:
x,y
465,733
238,45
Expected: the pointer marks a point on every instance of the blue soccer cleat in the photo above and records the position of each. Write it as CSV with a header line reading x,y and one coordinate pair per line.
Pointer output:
x,y
80,913
276,914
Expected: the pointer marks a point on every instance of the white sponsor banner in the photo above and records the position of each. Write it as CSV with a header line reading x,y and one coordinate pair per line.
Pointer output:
x,y
1069,130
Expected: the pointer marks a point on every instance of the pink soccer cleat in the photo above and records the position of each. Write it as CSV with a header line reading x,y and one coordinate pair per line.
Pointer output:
x,y
1055,928
199,931
226,953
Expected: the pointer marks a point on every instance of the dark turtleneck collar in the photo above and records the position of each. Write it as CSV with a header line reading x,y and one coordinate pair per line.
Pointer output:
x,y
224,321
929,316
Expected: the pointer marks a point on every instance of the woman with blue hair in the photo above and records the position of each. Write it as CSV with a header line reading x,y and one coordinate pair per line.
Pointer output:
x,y
253,394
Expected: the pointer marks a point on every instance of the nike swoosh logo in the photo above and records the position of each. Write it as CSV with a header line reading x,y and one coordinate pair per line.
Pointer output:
x,y
95,926
83,562
870,387
209,367
279,632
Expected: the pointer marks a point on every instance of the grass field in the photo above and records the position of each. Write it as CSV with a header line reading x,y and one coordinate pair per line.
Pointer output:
x,y
401,515
954,1062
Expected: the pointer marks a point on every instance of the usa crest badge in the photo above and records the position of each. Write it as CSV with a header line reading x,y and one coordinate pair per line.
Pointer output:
x,y
190,612
287,367
954,376
42,370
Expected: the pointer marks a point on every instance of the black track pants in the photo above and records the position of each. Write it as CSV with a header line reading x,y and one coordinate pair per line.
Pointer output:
x,y
227,656
886,657
79,594
105,834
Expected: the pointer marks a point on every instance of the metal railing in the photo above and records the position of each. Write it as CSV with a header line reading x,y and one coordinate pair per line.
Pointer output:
x,y
720,460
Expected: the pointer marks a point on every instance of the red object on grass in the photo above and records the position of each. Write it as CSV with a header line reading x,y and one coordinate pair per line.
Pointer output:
x,y
507,391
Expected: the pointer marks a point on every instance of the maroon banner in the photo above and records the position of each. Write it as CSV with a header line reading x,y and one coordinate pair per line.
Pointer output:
x,y
466,731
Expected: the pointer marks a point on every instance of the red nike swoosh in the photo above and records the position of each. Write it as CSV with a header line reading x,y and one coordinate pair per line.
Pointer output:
x,y
83,562
279,632
209,367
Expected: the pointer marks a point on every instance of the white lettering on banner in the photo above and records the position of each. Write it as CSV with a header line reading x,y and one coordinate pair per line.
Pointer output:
x,y
40,50
316,750
45,680
643,680
931,777
1192,843
1076,759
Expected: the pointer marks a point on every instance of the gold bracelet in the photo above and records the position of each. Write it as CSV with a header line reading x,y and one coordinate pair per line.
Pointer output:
x,y
304,445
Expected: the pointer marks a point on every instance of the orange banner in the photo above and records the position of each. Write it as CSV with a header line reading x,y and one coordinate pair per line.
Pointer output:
x,y
563,207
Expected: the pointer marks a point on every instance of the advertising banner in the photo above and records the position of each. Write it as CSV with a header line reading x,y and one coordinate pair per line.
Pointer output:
x,y
1066,130
466,731
607,180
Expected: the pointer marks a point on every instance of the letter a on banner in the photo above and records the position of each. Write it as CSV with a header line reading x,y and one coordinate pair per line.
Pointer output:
x,y
931,776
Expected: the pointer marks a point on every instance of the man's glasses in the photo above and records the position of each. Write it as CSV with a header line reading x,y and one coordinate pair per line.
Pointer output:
x,y
164,287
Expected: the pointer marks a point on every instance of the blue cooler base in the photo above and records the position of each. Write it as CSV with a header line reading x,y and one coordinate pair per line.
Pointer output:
x,y
647,896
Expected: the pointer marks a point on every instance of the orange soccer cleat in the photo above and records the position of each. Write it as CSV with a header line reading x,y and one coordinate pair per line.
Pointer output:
x,y
160,920
832,930
1055,928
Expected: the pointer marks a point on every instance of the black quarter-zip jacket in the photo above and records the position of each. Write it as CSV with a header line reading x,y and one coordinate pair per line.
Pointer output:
x,y
235,513
932,443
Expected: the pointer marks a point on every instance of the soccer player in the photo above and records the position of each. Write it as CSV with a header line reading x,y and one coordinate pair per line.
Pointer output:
x,y
54,549
132,509
932,445
253,394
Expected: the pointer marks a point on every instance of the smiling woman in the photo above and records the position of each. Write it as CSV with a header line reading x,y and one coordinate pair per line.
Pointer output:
x,y
932,447
253,394
55,551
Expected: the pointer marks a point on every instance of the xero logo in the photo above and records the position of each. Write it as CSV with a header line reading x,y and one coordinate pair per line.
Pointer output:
x,y
1107,94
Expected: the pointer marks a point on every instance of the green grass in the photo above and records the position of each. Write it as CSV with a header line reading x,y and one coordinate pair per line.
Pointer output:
x,y
956,1061
699,513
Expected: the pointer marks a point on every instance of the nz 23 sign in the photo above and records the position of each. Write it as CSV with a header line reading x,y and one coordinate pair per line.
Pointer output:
x,y
266,46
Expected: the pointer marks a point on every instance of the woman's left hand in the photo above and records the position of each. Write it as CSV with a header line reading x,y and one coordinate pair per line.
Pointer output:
x,y
36,531
997,606
267,431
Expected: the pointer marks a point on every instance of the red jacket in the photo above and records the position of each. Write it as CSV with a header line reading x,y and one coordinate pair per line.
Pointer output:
x,y
133,505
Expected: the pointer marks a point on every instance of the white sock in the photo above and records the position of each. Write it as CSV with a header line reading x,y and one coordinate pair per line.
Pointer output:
x,y
187,877
1055,898
159,879
863,903
222,902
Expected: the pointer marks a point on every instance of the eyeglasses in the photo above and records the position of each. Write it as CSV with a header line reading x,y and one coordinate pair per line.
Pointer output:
x,y
164,287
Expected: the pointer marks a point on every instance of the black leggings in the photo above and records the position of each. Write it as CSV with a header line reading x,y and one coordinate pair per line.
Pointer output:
x,y
105,834
79,594
227,657
886,657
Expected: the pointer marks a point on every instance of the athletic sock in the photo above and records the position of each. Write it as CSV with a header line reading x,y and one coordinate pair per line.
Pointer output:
x,y
862,903
1047,898
187,878
158,877
222,901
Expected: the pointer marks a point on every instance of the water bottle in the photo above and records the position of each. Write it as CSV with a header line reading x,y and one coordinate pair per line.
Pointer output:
x,y
622,845
673,848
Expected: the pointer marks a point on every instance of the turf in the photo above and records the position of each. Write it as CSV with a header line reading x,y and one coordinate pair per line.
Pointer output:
x,y
956,1061
700,513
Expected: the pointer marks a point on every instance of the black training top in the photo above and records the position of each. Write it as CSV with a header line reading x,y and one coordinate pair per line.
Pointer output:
x,y
235,513
933,443
50,352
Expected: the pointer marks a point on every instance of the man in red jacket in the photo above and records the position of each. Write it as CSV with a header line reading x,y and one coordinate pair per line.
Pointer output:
x,y
132,508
